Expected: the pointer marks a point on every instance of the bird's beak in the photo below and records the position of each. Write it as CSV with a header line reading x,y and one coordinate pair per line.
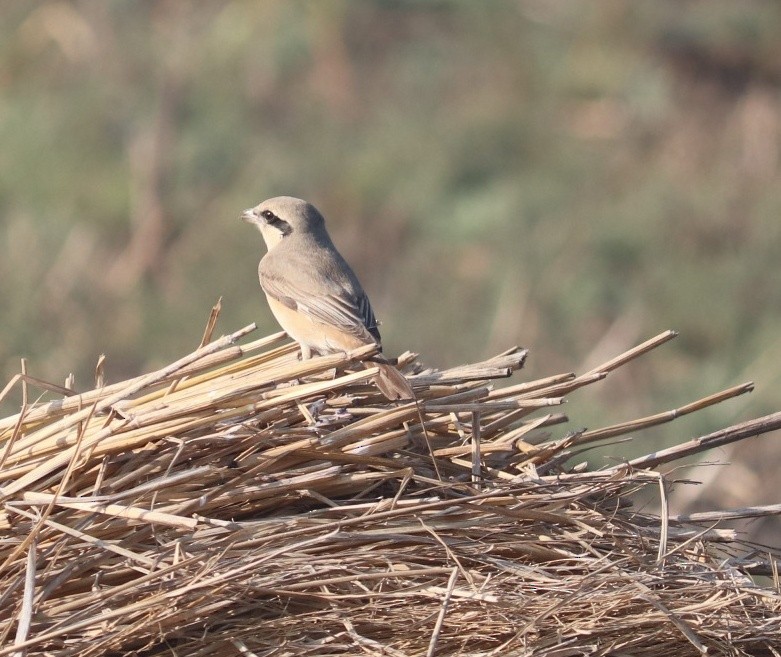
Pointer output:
x,y
249,216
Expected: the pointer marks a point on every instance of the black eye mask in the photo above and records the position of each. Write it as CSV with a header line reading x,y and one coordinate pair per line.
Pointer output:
x,y
280,224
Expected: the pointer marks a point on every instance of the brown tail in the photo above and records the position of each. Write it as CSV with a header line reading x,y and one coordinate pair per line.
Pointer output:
x,y
392,383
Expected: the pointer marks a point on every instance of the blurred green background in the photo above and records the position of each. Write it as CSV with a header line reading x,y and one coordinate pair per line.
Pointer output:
x,y
570,176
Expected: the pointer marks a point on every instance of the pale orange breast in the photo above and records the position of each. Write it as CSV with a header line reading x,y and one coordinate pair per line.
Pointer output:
x,y
318,336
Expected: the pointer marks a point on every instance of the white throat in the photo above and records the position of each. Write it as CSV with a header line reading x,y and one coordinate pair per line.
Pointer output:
x,y
271,236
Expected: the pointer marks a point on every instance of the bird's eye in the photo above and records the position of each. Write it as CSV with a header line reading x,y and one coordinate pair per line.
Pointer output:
x,y
273,220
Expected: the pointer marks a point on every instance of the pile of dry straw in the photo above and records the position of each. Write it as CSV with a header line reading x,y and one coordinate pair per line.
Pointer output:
x,y
243,502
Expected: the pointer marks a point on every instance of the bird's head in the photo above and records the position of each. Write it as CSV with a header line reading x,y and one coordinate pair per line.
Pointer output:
x,y
283,217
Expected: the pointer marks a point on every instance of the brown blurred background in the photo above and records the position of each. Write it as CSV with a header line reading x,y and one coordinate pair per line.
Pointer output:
x,y
572,177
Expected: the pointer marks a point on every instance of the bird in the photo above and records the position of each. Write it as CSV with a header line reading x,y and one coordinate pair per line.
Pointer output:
x,y
312,291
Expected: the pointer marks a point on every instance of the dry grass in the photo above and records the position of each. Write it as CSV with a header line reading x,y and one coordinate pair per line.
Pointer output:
x,y
241,502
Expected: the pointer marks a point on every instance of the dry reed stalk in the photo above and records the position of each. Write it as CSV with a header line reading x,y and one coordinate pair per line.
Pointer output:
x,y
240,501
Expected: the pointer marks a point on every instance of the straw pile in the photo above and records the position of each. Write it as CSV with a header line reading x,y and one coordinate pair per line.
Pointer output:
x,y
243,502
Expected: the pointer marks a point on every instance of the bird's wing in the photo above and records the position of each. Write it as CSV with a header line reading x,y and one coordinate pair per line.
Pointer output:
x,y
348,310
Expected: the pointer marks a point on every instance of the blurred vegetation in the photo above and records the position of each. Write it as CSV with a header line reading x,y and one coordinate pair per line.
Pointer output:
x,y
574,177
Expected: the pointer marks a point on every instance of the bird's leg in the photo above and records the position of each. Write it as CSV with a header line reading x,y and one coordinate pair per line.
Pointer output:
x,y
313,409
306,354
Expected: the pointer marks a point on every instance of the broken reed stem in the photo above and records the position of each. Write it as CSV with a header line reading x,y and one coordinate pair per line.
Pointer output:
x,y
477,477
716,439
432,646
114,510
634,352
26,612
732,514
661,418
